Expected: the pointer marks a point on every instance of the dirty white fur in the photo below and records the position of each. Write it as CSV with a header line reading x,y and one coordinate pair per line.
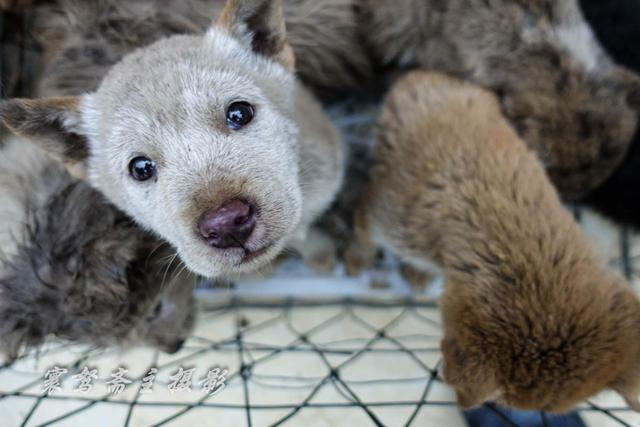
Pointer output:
x,y
579,41
21,163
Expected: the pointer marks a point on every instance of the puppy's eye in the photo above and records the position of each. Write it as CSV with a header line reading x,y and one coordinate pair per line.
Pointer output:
x,y
142,168
157,310
239,114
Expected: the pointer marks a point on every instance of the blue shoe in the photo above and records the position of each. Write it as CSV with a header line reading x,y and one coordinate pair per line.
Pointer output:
x,y
492,415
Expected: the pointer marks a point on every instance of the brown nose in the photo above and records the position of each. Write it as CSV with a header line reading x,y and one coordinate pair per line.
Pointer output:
x,y
229,226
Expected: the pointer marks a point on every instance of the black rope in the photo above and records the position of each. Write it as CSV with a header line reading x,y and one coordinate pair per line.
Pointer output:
x,y
306,339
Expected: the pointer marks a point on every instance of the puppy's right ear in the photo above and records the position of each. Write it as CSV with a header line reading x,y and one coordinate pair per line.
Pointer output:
x,y
54,124
260,25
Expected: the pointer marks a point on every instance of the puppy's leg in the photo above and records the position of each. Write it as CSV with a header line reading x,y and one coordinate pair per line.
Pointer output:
x,y
418,279
362,251
317,249
629,388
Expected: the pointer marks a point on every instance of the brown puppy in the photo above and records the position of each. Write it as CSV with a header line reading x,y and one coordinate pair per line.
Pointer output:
x,y
566,98
531,316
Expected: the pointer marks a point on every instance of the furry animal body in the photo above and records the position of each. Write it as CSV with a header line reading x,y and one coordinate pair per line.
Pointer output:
x,y
79,269
531,316
73,264
229,195
564,95
83,39
616,23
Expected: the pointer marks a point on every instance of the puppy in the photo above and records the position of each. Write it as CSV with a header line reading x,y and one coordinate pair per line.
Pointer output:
x,y
560,90
85,273
531,316
206,140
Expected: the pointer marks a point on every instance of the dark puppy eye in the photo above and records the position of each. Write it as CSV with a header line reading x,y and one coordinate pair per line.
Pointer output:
x,y
142,168
157,310
239,114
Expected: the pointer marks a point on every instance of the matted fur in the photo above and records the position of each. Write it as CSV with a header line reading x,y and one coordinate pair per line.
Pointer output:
x,y
561,91
81,270
532,318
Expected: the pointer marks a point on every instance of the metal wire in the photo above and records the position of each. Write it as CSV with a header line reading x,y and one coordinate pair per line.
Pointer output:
x,y
279,315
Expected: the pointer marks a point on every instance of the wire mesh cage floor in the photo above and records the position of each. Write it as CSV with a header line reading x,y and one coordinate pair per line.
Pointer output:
x,y
347,361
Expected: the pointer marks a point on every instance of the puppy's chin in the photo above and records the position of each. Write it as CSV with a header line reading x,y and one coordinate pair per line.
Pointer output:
x,y
213,263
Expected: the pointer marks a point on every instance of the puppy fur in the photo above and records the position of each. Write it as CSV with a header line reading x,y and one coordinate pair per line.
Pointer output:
x,y
89,36
564,95
83,271
616,23
18,4
167,101
531,316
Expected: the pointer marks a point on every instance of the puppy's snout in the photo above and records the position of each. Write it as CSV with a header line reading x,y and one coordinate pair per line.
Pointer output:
x,y
228,226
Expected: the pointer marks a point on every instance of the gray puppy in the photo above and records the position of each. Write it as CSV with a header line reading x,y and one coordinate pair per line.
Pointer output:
x,y
84,272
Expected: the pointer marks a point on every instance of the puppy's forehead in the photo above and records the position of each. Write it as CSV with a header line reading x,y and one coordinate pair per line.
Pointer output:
x,y
193,62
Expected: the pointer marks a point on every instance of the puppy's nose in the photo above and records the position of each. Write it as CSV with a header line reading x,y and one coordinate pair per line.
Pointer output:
x,y
229,226
176,347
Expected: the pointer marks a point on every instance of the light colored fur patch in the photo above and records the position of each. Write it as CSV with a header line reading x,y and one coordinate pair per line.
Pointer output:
x,y
21,164
579,41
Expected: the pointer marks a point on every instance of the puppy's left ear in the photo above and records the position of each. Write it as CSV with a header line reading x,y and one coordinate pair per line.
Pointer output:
x,y
260,25
54,124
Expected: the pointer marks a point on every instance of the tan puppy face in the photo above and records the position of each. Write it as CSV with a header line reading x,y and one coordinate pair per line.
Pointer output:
x,y
191,136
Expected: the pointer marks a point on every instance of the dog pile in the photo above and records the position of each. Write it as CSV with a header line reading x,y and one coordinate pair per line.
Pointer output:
x,y
161,145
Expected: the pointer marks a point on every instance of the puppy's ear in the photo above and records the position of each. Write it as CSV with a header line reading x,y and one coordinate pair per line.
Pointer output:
x,y
465,371
260,25
54,124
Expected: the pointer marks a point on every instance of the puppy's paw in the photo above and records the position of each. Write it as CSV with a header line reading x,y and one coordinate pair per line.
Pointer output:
x,y
633,403
318,250
323,260
419,280
358,258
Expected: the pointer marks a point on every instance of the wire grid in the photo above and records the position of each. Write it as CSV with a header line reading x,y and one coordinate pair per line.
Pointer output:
x,y
404,334
407,341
